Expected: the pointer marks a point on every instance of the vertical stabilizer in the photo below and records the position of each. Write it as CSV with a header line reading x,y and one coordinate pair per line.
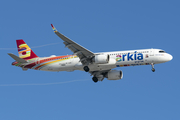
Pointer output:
x,y
24,50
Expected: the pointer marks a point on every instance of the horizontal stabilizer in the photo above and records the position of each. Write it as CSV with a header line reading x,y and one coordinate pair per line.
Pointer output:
x,y
18,59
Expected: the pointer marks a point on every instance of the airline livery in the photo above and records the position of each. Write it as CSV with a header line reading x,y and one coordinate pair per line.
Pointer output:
x,y
99,65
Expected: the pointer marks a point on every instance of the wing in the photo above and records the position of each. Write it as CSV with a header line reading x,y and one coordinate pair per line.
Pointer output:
x,y
83,53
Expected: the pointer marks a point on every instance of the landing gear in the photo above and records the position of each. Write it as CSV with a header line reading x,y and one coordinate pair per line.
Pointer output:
x,y
86,68
95,79
152,64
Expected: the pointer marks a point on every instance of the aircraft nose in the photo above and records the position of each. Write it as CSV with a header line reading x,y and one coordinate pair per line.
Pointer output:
x,y
169,57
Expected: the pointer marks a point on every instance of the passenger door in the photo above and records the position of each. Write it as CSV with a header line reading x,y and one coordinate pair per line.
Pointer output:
x,y
151,52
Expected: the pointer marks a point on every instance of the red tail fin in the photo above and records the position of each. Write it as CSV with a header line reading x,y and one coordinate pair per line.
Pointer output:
x,y
24,50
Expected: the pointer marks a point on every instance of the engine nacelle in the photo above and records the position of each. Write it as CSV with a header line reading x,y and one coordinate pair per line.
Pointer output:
x,y
115,75
101,59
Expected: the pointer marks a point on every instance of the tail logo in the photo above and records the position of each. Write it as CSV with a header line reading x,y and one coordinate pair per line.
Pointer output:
x,y
24,51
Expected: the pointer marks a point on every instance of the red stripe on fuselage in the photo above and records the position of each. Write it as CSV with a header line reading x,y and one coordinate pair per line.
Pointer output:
x,y
43,61
30,65
51,59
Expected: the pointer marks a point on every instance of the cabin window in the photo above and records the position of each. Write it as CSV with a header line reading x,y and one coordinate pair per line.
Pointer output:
x,y
162,51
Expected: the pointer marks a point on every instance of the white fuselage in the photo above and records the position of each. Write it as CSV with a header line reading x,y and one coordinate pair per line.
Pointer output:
x,y
117,59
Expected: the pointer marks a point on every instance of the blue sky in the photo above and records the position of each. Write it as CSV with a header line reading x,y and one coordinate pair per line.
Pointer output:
x,y
98,26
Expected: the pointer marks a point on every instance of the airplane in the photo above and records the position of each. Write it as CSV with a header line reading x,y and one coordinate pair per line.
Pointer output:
x,y
99,65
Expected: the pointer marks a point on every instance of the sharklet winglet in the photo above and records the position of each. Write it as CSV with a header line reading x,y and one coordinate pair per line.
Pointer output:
x,y
54,29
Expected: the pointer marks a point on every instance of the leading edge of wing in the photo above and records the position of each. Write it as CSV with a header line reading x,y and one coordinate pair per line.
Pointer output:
x,y
69,42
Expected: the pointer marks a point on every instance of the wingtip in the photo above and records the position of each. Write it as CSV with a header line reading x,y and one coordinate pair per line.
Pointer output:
x,y
54,29
52,25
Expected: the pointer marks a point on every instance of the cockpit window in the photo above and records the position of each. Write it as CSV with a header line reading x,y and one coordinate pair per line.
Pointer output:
x,y
162,51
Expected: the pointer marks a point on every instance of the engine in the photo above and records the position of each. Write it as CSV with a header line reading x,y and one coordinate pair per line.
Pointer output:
x,y
101,59
114,75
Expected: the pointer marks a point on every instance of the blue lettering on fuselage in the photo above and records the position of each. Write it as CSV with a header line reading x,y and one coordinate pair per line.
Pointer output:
x,y
129,57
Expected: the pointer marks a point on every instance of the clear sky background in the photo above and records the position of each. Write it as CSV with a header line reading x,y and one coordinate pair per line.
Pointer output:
x,y
100,26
